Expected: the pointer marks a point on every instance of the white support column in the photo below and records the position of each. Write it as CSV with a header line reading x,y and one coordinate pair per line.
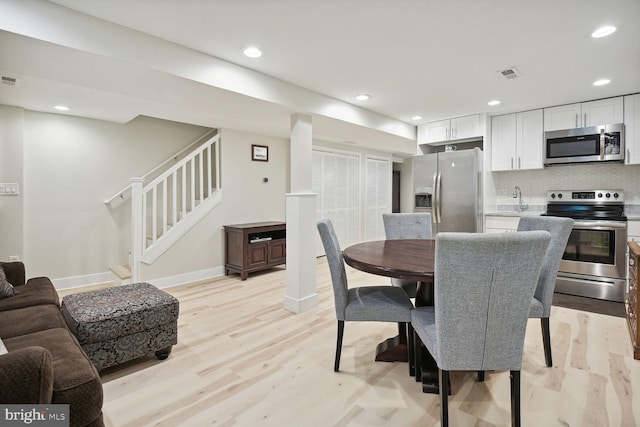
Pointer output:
x,y
301,293
137,225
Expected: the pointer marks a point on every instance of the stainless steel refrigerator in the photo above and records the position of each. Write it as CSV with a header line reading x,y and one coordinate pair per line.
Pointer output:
x,y
449,186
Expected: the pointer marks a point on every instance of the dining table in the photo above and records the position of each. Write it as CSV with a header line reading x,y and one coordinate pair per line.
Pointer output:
x,y
409,259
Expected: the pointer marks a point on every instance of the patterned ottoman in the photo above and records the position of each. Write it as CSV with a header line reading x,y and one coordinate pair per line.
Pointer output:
x,y
118,324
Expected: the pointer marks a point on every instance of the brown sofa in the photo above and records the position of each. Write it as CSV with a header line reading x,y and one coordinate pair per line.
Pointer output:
x,y
45,363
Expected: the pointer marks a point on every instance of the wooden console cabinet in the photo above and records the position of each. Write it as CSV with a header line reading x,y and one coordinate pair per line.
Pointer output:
x,y
254,247
633,299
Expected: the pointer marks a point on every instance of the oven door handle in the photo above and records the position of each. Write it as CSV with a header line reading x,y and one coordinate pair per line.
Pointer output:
x,y
607,224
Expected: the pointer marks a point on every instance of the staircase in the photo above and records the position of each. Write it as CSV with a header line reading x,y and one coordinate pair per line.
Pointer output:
x,y
171,203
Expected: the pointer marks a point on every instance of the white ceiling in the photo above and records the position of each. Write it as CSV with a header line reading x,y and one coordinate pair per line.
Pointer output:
x,y
433,58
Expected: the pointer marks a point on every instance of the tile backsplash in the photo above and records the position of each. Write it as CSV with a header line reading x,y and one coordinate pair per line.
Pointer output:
x,y
535,183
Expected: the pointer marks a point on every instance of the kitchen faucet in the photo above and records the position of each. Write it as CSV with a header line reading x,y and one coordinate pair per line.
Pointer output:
x,y
517,194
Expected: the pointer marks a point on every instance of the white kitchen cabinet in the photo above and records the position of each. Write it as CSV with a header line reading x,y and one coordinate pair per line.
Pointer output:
x,y
517,141
434,131
632,129
466,127
593,113
500,223
449,130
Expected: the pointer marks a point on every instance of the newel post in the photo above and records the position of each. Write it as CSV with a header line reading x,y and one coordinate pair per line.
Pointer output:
x,y
137,227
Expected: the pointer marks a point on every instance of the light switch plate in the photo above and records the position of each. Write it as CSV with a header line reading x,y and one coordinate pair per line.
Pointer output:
x,y
9,189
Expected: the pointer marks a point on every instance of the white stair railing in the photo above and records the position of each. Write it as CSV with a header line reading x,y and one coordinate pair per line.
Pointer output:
x,y
125,192
171,204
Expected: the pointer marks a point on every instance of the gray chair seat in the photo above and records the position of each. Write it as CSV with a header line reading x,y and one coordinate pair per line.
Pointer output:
x,y
537,309
379,303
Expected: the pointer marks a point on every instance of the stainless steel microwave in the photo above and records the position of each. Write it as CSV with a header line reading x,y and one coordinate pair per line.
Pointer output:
x,y
591,144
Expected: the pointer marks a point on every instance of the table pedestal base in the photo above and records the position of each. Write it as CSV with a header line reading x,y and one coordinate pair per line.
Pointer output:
x,y
392,350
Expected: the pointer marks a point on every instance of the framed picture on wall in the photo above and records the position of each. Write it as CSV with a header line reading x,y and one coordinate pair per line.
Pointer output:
x,y
259,153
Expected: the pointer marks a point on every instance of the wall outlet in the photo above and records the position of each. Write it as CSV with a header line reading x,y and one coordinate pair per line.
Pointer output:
x,y
14,258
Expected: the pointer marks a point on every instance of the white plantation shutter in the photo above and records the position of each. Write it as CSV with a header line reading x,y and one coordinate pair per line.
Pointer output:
x,y
336,181
377,196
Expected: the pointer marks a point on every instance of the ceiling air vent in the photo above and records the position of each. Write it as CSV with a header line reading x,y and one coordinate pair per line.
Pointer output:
x,y
10,81
510,73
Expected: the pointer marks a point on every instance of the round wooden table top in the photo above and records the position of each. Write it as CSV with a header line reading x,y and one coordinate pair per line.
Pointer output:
x,y
403,259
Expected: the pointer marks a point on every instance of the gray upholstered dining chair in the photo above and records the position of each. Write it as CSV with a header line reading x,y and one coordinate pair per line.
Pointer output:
x,y
560,229
367,303
400,226
483,289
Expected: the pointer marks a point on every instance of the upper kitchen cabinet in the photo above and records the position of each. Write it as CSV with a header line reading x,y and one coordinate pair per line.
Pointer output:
x,y
593,113
632,129
517,141
448,130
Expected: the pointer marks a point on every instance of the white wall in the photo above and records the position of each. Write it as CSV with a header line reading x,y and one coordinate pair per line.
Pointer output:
x,y
11,171
246,198
71,166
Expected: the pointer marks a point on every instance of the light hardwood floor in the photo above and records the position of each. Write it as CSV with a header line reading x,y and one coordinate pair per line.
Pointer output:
x,y
242,360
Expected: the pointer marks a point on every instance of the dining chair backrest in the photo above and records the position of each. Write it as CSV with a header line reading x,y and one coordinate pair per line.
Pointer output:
x,y
560,229
400,226
483,289
336,266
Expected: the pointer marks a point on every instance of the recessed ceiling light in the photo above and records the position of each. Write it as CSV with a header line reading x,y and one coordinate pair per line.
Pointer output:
x,y
363,97
493,102
601,82
61,108
252,52
416,118
603,31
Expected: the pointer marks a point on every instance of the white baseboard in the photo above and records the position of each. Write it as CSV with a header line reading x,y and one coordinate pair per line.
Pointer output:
x,y
300,305
190,277
86,280
164,282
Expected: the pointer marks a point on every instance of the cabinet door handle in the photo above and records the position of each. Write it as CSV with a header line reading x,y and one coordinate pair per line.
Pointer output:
x,y
585,120
519,162
628,156
576,121
512,163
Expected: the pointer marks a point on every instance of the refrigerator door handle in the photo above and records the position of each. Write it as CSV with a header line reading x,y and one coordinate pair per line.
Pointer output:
x,y
435,198
438,199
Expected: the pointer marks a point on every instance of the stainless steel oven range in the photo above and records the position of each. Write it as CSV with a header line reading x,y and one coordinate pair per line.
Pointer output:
x,y
593,264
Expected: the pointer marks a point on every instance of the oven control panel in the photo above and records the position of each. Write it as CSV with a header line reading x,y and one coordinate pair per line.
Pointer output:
x,y
586,196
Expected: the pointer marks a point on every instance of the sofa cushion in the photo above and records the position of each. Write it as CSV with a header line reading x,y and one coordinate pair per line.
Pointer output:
x,y
22,321
75,379
31,376
3,348
6,289
14,271
37,291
